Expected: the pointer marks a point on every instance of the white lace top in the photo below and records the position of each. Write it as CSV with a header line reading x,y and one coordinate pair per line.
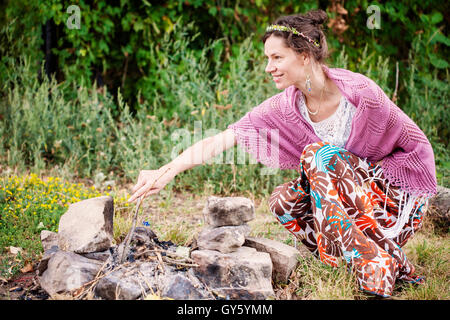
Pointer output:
x,y
336,128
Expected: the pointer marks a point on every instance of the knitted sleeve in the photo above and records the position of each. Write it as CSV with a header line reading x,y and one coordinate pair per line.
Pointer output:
x,y
271,134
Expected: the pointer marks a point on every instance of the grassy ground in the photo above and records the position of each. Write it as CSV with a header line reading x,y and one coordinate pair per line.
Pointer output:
x,y
38,203
179,218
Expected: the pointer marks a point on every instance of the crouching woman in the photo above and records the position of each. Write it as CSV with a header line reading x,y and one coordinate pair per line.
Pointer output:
x,y
365,169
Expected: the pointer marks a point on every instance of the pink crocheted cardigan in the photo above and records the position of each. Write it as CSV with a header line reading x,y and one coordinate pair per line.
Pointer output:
x,y
276,133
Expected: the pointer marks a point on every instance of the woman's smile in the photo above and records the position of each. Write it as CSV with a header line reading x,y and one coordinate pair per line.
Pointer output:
x,y
276,78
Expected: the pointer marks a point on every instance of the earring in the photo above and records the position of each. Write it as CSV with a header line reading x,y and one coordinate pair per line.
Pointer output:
x,y
308,83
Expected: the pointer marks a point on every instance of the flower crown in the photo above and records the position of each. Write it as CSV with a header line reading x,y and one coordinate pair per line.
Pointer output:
x,y
292,30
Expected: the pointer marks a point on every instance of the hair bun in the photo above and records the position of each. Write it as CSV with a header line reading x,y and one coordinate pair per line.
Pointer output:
x,y
317,17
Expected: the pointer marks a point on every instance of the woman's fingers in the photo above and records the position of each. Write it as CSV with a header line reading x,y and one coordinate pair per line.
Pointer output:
x,y
150,192
149,182
144,191
136,187
132,198
140,182
137,194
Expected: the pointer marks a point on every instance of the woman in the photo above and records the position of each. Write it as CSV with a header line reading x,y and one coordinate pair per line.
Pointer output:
x,y
365,170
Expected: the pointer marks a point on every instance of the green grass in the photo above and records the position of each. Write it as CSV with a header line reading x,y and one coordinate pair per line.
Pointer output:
x,y
28,205
38,203
178,217
430,253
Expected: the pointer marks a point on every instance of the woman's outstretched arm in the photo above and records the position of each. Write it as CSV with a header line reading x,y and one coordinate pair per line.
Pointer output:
x,y
152,181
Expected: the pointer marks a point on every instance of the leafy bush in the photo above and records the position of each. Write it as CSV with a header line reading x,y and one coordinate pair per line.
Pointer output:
x,y
192,86
41,129
125,43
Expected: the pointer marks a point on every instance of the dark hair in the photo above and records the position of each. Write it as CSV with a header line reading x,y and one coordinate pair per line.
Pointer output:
x,y
310,24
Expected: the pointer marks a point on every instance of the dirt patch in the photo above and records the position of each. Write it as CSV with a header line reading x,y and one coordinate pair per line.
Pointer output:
x,y
24,286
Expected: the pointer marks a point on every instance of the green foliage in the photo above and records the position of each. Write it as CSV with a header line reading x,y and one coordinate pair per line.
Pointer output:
x,y
46,123
128,42
426,102
401,22
168,67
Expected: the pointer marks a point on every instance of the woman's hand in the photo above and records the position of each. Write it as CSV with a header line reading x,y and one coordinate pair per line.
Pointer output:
x,y
151,182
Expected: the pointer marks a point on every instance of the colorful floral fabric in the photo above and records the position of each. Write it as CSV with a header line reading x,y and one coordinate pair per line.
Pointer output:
x,y
337,209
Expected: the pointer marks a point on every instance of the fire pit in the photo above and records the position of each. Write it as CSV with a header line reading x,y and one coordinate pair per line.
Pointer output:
x,y
80,261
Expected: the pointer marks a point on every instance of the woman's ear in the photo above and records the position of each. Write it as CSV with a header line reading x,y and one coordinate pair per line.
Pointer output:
x,y
306,58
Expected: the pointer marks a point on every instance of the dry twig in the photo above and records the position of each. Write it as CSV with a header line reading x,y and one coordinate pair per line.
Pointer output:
x,y
82,291
123,252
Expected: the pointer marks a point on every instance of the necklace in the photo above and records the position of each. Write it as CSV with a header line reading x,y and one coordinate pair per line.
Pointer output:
x,y
320,102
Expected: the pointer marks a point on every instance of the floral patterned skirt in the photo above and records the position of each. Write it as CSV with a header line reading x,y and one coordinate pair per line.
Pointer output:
x,y
341,208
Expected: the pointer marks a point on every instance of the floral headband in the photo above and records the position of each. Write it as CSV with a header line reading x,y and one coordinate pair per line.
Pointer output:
x,y
292,30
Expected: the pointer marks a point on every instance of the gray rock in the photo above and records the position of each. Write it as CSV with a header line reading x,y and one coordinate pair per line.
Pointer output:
x,y
67,271
184,286
87,226
228,211
141,278
224,239
43,263
284,258
243,274
143,235
99,256
441,202
129,283
48,239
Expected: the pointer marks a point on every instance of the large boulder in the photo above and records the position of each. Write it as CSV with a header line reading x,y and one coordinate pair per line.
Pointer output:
x,y
243,274
87,226
66,271
228,211
224,239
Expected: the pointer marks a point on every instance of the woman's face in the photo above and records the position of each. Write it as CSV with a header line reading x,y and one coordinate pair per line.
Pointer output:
x,y
284,64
